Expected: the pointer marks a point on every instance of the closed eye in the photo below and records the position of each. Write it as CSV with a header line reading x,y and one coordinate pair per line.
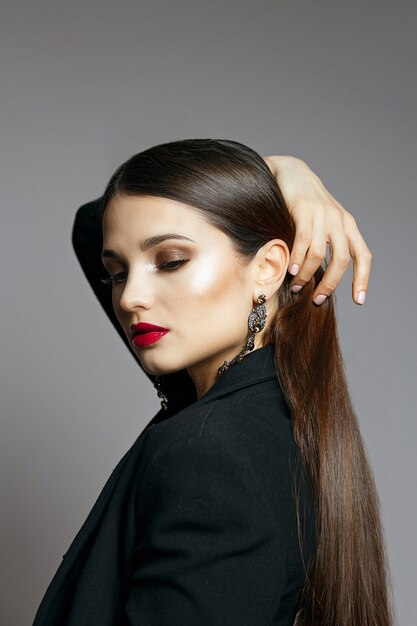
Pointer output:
x,y
172,265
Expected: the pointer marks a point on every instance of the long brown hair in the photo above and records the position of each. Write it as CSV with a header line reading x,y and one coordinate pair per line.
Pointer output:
x,y
347,583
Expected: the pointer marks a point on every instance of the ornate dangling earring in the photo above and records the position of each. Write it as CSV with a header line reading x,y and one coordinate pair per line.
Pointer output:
x,y
256,322
158,386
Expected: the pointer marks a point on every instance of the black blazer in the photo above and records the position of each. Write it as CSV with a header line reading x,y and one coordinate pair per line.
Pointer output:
x,y
196,525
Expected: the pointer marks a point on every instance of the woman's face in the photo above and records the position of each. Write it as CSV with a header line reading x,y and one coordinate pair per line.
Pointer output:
x,y
176,271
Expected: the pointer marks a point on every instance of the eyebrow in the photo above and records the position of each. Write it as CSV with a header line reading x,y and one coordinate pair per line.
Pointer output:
x,y
148,243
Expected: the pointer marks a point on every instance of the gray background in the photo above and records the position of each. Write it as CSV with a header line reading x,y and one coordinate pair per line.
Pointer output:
x,y
84,85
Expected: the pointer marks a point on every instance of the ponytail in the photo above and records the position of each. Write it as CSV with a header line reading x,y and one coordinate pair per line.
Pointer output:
x,y
348,581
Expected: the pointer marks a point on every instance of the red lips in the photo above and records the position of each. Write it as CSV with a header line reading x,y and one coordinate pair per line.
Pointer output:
x,y
145,334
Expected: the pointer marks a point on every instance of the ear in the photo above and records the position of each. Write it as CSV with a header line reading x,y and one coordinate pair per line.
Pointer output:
x,y
270,265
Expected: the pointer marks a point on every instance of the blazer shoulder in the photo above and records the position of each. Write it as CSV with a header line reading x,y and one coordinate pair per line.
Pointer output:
x,y
196,461
254,428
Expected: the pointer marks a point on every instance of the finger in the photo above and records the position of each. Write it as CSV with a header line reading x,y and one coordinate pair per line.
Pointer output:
x,y
315,254
362,261
337,266
302,240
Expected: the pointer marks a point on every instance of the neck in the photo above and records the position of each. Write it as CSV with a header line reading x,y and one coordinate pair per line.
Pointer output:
x,y
204,374
202,381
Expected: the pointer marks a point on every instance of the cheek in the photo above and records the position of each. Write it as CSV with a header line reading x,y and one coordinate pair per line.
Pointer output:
x,y
209,278
213,294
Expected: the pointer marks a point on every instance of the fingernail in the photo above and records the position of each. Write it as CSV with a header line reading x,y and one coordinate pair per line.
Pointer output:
x,y
294,269
361,297
296,288
319,299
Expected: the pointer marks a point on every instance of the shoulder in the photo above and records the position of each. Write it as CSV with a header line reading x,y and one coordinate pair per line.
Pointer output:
x,y
251,424
205,478
199,437
194,437
247,451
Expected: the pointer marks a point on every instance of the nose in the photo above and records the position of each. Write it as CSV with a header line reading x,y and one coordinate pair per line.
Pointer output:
x,y
136,294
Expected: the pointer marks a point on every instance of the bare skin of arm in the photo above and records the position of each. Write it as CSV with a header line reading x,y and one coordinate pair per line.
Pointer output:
x,y
320,220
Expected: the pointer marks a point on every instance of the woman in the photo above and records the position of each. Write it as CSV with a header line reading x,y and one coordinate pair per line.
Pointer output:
x,y
248,498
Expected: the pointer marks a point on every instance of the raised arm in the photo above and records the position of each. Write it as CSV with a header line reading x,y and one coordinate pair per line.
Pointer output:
x,y
319,219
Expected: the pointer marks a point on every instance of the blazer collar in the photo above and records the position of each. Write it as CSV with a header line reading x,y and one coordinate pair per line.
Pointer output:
x,y
257,366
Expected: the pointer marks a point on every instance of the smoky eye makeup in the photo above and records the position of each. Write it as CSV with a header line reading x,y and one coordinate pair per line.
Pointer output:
x,y
170,262
172,265
162,257
171,256
166,261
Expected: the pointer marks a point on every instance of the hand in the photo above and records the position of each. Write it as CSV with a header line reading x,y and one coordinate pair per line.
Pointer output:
x,y
320,219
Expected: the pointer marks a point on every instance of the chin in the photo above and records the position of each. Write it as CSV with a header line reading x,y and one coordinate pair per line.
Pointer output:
x,y
159,367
